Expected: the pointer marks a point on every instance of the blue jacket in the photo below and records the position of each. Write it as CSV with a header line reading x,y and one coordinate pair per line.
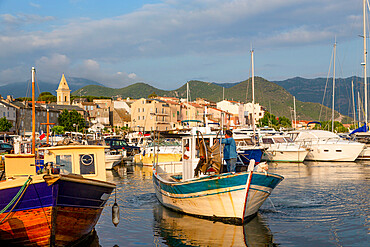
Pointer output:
x,y
229,148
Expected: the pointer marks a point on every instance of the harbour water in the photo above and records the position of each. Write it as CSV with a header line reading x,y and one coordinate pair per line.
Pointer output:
x,y
317,204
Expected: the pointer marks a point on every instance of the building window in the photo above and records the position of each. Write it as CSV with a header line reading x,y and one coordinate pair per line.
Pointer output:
x,y
138,118
143,117
143,109
138,109
51,114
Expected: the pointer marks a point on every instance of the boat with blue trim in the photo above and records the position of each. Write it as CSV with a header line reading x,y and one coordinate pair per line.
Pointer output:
x,y
197,186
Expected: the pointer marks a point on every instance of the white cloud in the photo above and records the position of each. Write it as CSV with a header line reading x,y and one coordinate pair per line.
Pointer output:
x,y
173,29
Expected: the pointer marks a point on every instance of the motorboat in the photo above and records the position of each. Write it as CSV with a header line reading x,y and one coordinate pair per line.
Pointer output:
x,y
327,146
281,148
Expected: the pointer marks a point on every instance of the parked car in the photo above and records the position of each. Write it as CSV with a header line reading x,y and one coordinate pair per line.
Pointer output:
x,y
120,144
6,148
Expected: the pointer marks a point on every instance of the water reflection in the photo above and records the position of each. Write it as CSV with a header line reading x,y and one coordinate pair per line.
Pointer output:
x,y
178,230
317,204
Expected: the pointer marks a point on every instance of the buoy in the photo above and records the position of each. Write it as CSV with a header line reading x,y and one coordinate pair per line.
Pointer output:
x,y
115,214
115,210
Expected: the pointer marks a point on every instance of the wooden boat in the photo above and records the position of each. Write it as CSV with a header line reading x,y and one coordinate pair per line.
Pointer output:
x,y
232,197
59,204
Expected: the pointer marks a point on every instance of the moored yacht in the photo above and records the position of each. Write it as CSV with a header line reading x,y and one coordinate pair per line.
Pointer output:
x,y
281,148
327,146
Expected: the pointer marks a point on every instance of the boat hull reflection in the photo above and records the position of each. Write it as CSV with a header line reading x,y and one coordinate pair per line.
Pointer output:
x,y
180,229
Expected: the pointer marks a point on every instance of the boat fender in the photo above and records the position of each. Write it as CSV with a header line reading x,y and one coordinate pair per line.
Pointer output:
x,y
115,210
115,214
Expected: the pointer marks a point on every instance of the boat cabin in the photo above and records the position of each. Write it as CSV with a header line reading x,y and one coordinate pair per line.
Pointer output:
x,y
190,159
85,160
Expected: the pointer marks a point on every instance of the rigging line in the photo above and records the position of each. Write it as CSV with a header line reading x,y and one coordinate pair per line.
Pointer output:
x,y
326,85
37,84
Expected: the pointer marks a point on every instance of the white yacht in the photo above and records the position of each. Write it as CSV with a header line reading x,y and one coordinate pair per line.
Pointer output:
x,y
281,148
327,146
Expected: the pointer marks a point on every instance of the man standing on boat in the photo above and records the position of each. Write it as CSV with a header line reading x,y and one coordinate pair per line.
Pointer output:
x,y
230,154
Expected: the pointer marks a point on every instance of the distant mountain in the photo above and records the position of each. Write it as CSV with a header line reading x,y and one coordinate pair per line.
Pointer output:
x,y
270,95
23,89
226,85
312,90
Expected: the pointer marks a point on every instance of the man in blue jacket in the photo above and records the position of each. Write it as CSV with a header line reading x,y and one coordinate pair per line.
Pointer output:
x,y
230,154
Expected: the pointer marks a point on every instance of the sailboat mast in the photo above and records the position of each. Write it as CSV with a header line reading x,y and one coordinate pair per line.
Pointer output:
x,y
353,104
252,62
187,101
332,116
365,59
295,116
33,111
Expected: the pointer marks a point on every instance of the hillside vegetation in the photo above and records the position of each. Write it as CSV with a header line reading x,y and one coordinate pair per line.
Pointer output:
x,y
270,95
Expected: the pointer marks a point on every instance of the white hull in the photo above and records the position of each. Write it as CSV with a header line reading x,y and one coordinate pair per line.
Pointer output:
x,y
327,146
112,160
365,154
285,155
334,152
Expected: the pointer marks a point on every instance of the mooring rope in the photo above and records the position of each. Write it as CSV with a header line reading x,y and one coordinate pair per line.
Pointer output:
x,y
16,198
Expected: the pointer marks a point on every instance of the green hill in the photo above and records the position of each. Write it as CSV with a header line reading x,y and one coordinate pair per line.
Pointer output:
x,y
270,95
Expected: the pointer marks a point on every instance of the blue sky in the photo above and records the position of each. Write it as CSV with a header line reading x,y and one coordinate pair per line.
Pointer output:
x,y
166,43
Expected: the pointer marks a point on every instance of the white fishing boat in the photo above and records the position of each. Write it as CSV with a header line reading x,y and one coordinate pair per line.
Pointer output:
x,y
112,159
281,148
327,146
197,187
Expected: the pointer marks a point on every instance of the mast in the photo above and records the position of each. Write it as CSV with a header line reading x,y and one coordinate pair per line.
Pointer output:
x,y
365,58
252,62
295,116
187,102
332,113
359,108
33,111
353,104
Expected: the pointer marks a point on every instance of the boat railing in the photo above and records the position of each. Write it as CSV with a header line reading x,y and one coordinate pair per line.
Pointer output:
x,y
164,169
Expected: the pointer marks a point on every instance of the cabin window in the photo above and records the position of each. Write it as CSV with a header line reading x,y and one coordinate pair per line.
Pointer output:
x,y
87,164
65,163
339,151
279,140
267,141
326,150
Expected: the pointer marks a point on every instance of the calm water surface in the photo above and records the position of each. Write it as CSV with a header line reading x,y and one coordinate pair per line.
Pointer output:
x,y
317,204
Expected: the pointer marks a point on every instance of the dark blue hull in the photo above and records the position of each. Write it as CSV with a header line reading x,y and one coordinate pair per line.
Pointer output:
x,y
246,154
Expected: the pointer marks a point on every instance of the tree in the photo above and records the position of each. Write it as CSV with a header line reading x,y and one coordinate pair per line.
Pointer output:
x,y
152,95
326,125
46,96
5,125
274,122
67,119
58,130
